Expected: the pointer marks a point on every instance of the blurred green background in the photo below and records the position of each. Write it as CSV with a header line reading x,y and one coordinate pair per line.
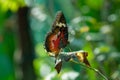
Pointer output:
x,y
94,26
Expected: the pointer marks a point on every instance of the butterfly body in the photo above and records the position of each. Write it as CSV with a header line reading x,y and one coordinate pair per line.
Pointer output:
x,y
58,37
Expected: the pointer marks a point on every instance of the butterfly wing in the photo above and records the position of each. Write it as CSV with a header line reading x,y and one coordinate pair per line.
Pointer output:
x,y
58,37
59,21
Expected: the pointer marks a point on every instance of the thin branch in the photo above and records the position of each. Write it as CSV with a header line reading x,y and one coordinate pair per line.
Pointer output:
x,y
66,56
95,70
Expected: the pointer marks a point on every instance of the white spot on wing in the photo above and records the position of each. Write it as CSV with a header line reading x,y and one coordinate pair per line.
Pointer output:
x,y
60,24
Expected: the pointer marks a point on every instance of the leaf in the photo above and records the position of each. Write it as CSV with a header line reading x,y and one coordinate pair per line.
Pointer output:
x,y
82,57
58,65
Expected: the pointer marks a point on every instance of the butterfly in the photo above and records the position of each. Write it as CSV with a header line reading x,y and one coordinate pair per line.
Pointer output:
x,y
57,38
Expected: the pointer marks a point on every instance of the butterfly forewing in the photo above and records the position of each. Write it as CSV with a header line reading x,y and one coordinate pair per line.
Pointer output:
x,y
59,21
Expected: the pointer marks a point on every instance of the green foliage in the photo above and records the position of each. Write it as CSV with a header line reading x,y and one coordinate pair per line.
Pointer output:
x,y
94,26
88,31
12,5
7,47
7,38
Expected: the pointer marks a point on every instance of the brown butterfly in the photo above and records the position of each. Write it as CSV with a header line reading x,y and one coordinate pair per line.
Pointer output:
x,y
57,38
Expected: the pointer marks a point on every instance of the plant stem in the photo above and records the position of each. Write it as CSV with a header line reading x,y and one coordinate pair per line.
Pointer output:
x,y
95,70
70,56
